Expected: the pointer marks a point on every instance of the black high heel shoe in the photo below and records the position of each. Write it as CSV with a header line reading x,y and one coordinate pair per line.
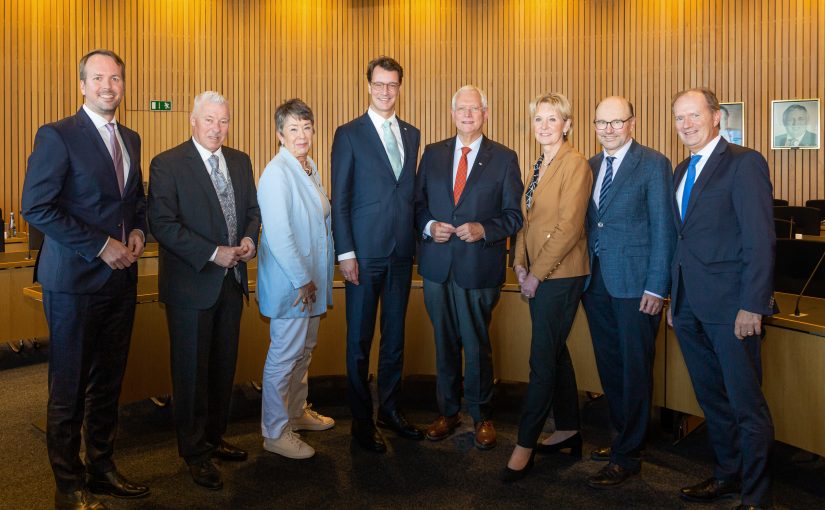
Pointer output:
x,y
574,443
511,475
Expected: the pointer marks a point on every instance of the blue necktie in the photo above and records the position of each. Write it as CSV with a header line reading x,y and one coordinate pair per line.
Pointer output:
x,y
606,182
690,179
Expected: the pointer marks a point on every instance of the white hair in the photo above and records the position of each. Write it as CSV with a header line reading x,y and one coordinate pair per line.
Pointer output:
x,y
209,96
471,88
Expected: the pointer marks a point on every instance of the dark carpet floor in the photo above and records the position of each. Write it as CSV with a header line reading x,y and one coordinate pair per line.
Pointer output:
x,y
449,474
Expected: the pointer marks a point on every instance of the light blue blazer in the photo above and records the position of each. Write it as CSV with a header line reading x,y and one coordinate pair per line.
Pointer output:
x,y
296,244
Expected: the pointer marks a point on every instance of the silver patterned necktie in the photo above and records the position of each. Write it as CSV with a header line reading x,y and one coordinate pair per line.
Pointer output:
x,y
226,197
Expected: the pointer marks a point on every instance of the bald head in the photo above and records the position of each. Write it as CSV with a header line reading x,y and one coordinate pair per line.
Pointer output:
x,y
614,110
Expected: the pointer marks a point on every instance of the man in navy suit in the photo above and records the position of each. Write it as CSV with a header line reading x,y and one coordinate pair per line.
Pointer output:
x,y
722,276
84,191
203,210
467,203
630,236
373,174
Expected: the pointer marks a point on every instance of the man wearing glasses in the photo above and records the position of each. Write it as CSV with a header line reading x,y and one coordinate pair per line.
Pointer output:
x,y
631,238
373,173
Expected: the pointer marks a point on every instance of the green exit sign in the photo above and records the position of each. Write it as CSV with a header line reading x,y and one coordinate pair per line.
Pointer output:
x,y
160,106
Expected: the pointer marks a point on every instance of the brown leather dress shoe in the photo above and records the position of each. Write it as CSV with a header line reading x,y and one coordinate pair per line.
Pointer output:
x,y
77,500
601,454
485,435
443,427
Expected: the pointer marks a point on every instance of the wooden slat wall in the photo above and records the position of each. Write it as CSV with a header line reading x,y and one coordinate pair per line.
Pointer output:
x,y
259,53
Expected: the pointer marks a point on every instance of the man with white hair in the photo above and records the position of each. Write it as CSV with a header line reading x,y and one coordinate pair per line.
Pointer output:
x,y
467,203
203,210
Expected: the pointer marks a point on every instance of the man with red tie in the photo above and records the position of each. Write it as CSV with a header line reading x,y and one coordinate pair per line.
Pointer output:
x,y
467,203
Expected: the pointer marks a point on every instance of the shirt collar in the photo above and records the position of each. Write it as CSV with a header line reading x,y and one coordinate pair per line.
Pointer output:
x,y
97,120
708,149
204,152
378,120
474,146
619,154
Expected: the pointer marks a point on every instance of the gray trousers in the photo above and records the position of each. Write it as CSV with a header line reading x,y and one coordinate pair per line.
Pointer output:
x,y
461,318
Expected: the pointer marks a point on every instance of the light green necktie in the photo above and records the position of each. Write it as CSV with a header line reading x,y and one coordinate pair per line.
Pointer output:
x,y
392,149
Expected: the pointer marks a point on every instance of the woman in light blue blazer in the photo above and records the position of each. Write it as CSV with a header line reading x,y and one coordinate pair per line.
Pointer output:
x,y
294,287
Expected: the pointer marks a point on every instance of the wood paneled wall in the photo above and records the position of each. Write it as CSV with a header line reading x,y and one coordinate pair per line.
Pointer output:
x,y
259,53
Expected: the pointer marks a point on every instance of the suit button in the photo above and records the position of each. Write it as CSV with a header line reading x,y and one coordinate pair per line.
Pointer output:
x,y
681,236
600,224
120,225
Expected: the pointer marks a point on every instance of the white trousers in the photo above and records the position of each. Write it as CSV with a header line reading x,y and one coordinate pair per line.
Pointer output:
x,y
291,342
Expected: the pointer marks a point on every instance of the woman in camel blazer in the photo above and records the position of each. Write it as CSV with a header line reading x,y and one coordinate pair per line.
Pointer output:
x,y
551,265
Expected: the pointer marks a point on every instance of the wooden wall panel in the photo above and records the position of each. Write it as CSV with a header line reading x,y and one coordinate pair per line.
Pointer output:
x,y
259,53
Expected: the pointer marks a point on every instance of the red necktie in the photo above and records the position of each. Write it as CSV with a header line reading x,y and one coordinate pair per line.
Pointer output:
x,y
461,175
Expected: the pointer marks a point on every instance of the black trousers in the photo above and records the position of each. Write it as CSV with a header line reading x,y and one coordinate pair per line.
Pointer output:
x,y
624,341
204,345
89,345
552,379
727,375
386,280
461,321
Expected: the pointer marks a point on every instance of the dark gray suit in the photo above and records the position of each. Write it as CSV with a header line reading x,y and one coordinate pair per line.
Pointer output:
x,y
203,300
633,227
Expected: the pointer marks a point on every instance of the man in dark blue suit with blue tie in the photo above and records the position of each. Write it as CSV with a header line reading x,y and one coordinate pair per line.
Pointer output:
x,y
84,190
373,174
630,236
467,204
722,275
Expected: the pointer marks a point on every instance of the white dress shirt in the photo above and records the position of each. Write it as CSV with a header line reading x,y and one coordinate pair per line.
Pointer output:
x,y
619,155
705,152
474,146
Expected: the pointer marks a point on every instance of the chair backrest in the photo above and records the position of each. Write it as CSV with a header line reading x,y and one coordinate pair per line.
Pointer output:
x,y
784,228
817,204
805,219
779,201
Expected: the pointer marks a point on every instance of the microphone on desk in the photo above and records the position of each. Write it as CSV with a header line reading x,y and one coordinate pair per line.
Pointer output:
x,y
796,312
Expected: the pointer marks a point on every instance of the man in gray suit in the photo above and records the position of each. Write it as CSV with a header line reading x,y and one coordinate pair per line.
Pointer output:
x,y
631,238
795,120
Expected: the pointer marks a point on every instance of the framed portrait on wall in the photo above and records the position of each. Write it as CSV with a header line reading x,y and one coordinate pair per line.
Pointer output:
x,y
795,124
732,125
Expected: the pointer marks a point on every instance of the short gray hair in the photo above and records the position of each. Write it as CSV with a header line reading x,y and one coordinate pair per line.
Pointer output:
x,y
470,88
209,96
293,108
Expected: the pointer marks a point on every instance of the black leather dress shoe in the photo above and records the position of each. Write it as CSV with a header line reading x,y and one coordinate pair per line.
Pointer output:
x,y
398,422
77,500
601,454
711,490
748,507
367,436
509,475
205,474
611,475
574,443
226,451
115,484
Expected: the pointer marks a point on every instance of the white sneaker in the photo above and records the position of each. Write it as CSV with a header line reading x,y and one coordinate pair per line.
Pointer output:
x,y
311,420
289,445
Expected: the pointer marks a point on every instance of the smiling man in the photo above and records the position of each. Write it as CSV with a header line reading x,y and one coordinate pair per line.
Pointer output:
x,y
630,235
84,190
373,173
203,210
722,274
467,203
795,119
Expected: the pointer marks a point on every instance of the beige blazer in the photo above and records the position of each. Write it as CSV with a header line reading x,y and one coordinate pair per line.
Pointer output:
x,y
553,239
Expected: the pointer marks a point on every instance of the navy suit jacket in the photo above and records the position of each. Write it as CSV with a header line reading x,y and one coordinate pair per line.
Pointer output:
x,y
634,224
372,211
72,195
186,218
492,197
726,245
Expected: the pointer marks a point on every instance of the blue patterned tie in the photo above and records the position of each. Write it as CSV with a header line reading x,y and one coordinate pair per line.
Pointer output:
x,y
606,182
690,179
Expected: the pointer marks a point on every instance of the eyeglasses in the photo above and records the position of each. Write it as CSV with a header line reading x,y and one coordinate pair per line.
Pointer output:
x,y
381,87
615,124
464,110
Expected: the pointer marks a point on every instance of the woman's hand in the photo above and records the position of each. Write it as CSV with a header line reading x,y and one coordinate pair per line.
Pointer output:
x,y
306,295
